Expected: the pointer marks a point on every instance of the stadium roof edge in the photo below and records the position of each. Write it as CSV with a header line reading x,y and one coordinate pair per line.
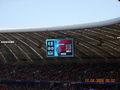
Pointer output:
x,y
62,27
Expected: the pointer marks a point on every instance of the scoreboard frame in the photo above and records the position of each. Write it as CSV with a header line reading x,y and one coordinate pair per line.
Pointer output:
x,y
65,56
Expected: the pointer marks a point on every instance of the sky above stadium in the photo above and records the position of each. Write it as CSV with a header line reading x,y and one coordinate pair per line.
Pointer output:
x,y
17,13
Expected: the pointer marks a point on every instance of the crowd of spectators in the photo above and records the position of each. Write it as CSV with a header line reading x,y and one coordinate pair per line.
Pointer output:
x,y
14,87
59,72
72,72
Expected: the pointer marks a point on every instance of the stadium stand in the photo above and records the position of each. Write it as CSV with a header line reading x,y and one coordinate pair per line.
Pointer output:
x,y
96,43
24,65
59,76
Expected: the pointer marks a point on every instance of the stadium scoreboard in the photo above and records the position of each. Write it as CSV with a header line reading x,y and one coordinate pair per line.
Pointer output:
x,y
60,47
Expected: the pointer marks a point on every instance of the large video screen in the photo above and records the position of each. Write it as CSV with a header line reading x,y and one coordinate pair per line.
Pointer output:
x,y
60,47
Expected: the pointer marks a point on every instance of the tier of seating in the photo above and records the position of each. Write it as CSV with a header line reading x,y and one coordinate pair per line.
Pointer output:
x,y
60,72
90,43
66,72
